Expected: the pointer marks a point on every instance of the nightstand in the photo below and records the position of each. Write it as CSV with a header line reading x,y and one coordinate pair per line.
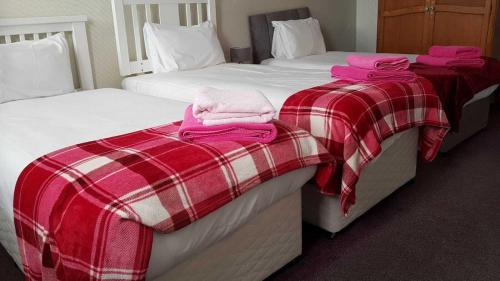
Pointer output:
x,y
241,55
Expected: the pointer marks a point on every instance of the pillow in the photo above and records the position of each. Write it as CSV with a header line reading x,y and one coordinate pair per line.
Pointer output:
x,y
174,48
32,69
297,38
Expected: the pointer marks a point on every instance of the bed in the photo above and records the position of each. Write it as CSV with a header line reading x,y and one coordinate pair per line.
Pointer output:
x,y
475,112
277,84
208,249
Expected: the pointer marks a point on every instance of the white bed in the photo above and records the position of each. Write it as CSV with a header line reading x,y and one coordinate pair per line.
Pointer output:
x,y
474,115
277,84
34,127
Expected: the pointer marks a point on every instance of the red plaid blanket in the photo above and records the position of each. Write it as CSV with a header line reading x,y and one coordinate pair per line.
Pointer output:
x,y
87,212
353,119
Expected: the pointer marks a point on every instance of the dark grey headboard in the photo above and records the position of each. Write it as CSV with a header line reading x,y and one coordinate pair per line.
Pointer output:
x,y
261,30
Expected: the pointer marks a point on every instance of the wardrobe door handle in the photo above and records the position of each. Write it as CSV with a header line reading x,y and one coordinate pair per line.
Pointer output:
x,y
432,9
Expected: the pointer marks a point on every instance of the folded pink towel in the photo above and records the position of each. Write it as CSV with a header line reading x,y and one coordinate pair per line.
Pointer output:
x,y
217,107
448,62
193,131
462,52
379,62
358,74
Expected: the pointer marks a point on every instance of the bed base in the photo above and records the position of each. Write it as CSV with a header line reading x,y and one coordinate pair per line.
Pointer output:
x,y
474,119
253,252
392,169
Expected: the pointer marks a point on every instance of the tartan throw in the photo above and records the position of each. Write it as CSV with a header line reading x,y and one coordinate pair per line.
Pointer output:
x,y
88,212
353,119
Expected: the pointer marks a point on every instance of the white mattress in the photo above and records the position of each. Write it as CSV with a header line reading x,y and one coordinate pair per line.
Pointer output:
x,y
277,83
326,61
486,93
318,62
32,128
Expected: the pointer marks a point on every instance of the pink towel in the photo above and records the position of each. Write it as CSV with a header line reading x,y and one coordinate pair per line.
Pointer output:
x,y
462,52
379,62
358,74
193,131
217,107
436,61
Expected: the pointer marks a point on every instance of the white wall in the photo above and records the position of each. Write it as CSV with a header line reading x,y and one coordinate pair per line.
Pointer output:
x,y
337,18
366,25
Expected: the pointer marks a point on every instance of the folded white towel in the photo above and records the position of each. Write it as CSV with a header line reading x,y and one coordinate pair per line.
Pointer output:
x,y
217,107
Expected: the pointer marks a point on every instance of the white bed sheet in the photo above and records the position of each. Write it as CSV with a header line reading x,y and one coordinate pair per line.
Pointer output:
x,y
276,83
322,62
32,128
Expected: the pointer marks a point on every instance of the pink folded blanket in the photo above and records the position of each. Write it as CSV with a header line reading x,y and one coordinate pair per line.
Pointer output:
x,y
462,52
448,62
217,107
379,62
193,130
358,74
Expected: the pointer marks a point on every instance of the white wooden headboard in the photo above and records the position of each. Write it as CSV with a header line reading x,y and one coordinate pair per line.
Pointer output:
x,y
171,12
21,29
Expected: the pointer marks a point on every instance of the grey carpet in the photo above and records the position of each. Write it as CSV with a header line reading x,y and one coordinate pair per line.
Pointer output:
x,y
443,226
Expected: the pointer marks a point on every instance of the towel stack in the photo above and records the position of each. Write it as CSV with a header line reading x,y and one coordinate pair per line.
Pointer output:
x,y
450,56
222,115
375,68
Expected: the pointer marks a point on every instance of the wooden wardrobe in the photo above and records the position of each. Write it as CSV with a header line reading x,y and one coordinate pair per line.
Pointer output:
x,y
412,26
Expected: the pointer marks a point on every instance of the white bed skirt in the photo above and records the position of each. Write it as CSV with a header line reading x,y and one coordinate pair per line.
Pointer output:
x,y
263,245
392,169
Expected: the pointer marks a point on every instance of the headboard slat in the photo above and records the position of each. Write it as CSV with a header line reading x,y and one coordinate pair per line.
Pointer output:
x,y
199,11
262,31
149,16
137,39
189,20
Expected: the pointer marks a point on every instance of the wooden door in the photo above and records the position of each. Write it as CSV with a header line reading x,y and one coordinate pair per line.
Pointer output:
x,y
463,22
403,26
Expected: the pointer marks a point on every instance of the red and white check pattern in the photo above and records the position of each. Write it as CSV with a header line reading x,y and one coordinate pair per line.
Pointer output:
x,y
87,212
353,119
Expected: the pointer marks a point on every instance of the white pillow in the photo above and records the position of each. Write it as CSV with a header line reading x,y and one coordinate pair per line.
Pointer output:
x,y
297,38
174,48
32,69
